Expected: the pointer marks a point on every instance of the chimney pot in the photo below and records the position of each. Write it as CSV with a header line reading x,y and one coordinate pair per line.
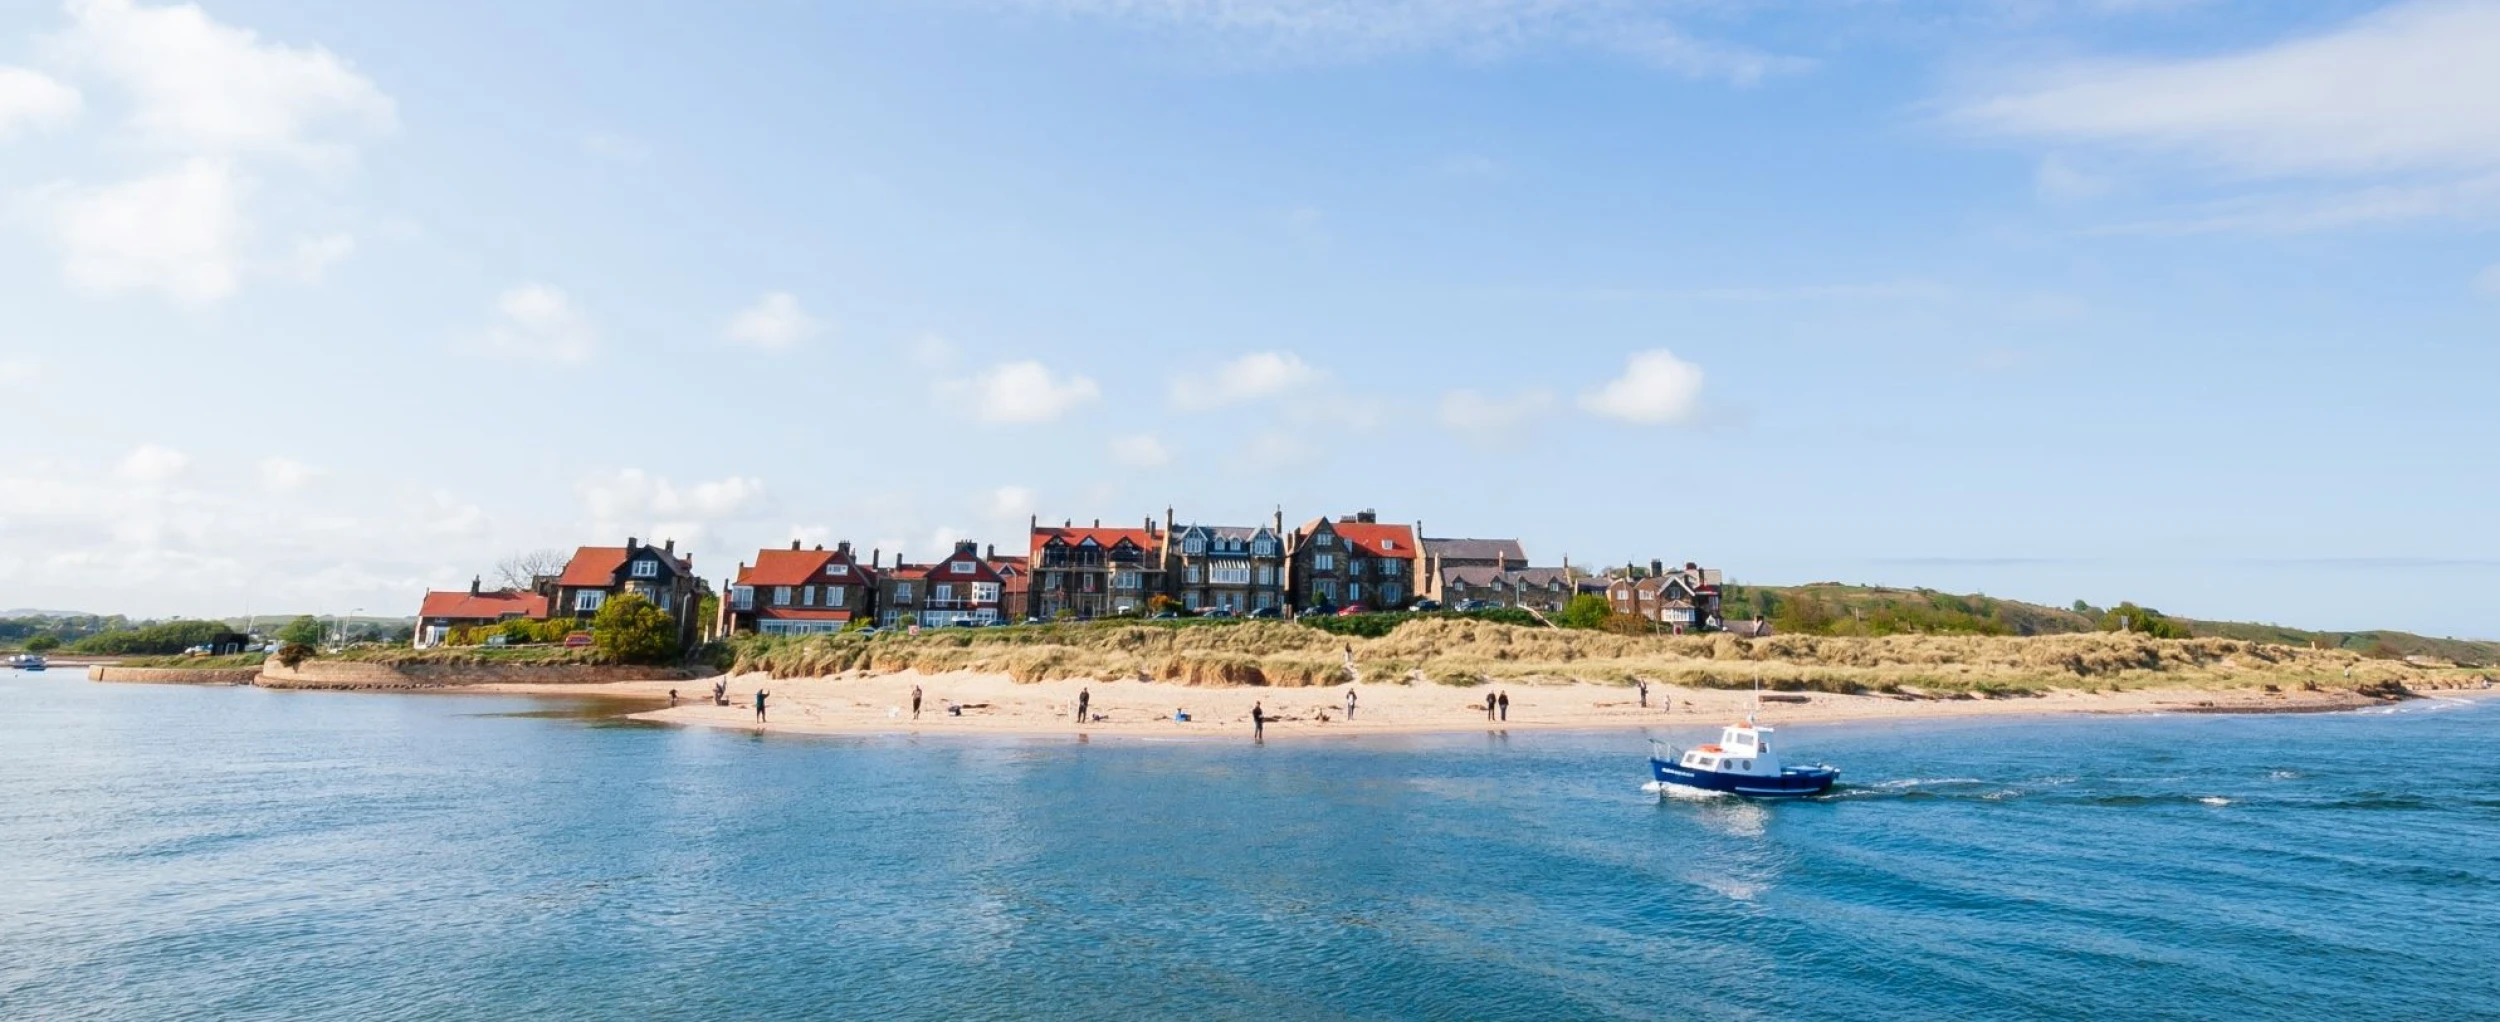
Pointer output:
x,y
820,547
473,584
669,547
794,544
630,544
1098,523
990,553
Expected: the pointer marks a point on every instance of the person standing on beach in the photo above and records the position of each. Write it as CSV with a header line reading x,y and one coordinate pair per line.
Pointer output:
x,y
759,706
1642,685
1349,705
915,702
1505,701
672,698
1083,696
1258,723
1488,706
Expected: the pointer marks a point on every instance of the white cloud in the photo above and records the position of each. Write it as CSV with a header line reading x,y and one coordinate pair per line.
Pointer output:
x,y
2405,89
1010,503
2488,281
1489,417
933,352
537,322
32,101
1656,388
1140,450
285,475
180,233
633,493
1024,392
942,541
1248,378
153,463
773,323
200,87
315,255
1339,30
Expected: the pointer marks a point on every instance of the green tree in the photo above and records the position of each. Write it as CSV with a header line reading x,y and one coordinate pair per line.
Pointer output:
x,y
43,643
1587,610
303,631
630,630
2143,621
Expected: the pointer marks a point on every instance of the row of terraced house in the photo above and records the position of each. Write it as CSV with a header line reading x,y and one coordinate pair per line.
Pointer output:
x,y
1354,561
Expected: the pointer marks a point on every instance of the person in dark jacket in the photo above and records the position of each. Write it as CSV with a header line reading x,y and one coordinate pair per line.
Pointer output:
x,y
1258,722
1083,696
759,706
915,702
1505,701
1488,706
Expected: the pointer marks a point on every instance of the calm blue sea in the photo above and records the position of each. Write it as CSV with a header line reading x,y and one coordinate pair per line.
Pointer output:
x,y
212,853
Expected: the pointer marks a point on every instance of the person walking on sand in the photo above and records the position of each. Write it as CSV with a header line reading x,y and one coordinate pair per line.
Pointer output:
x,y
759,706
1349,705
1258,723
1641,685
915,702
672,698
1505,701
1083,696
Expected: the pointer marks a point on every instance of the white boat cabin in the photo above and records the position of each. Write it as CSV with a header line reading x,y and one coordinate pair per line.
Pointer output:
x,y
1742,749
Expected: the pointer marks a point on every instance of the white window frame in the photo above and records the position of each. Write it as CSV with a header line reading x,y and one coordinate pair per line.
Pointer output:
x,y
836,596
807,596
1324,562
837,570
902,591
589,599
941,590
963,567
781,596
646,568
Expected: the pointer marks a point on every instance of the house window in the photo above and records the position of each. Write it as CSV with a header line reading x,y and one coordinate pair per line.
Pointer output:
x,y
1388,544
1265,547
1195,546
807,596
1324,540
1353,591
646,569
1324,562
742,597
902,591
1389,594
1189,600
589,600
836,596
1050,580
1124,579
942,591
1267,575
837,570
781,596
985,592
1193,574
962,567
1229,574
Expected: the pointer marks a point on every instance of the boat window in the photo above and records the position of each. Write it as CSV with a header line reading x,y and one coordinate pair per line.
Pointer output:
x,y
1708,762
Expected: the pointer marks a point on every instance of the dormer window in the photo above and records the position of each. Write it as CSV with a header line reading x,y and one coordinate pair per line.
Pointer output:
x,y
1388,544
646,569
1195,546
837,570
961,567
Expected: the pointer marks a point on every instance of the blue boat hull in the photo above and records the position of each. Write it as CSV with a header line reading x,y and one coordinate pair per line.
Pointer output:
x,y
1793,782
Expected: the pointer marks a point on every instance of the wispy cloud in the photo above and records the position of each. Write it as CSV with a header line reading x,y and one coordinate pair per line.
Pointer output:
x,y
1338,30
1656,388
1248,378
1024,392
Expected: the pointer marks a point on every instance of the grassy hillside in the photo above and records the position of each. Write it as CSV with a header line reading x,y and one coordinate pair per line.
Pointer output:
x,y
1830,608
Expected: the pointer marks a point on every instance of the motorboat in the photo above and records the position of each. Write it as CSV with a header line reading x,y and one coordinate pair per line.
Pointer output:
x,y
28,662
1740,763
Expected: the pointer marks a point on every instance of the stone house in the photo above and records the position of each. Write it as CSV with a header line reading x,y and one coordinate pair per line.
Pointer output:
x,y
1093,571
656,573
1541,589
1236,568
1355,561
1441,555
1684,599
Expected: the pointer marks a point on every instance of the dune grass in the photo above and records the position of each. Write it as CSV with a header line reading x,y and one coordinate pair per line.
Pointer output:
x,y
1464,653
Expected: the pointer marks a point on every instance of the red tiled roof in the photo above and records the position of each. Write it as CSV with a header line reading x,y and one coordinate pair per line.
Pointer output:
x,y
596,565
794,567
462,604
908,571
1105,538
799,614
1378,540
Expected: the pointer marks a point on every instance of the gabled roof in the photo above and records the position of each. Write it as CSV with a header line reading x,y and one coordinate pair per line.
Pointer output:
x,y
1379,540
485,606
1500,551
796,567
1533,578
907,572
596,566
1104,538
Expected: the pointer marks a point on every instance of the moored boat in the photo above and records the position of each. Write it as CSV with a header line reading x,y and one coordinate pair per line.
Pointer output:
x,y
28,662
1741,763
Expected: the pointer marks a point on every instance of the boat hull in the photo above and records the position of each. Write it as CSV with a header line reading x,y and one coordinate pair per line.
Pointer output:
x,y
1793,782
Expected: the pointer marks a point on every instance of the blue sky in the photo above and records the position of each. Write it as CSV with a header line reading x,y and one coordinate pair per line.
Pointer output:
x,y
2190,303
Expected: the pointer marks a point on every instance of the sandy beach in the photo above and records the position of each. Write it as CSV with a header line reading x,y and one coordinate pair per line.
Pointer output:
x,y
995,704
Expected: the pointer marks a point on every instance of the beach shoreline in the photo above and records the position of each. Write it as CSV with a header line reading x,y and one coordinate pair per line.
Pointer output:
x,y
997,705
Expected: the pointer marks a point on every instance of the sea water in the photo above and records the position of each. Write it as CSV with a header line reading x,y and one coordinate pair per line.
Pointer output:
x,y
234,853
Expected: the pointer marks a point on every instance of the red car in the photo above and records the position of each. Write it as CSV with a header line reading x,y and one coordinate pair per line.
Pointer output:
x,y
577,640
1348,611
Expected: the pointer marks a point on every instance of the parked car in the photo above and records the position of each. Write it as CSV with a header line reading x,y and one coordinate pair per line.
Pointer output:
x,y
1349,610
1168,615
1271,612
1425,606
577,640
1215,612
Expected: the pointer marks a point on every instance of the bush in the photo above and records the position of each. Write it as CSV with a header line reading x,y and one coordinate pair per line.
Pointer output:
x,y
294,653
303,631
517,632
43,644
168,638
631,630
2143,621
1587,610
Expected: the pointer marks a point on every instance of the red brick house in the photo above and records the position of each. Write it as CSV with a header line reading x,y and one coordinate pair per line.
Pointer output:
x,y
796,592
962,589
1015,578
1355,561
443,611
656,573
1684,600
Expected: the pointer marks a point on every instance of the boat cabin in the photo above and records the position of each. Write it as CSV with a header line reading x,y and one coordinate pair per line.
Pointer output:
x,y
1742,749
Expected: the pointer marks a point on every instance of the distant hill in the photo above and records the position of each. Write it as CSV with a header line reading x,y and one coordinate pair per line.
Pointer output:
x,y
1836,609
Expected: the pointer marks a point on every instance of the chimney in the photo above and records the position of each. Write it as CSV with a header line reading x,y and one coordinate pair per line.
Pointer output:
x,y
1657,567
876,557
820,548
794,544
1098,523
990,553
473,583
1690,566
1280,521
630,544
669,547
